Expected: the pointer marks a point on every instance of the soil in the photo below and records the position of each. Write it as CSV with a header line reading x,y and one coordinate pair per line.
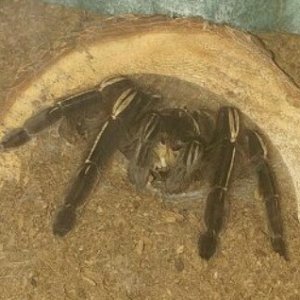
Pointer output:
x,y
125,245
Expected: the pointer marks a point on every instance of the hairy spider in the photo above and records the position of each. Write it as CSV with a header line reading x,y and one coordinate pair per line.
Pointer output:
x,y
165,147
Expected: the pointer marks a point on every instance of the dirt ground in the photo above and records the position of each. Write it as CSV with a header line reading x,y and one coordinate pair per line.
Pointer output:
x,y
126,245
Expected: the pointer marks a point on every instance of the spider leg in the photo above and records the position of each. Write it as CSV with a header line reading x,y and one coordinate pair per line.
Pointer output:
x,y
104,146
268,190
142,160
191,155
228,127
124,112
187,163
47,117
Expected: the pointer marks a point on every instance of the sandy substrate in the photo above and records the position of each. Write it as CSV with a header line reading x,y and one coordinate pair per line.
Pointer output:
x,y
126,246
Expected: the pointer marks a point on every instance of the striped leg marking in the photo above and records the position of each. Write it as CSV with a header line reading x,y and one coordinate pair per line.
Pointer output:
x,y
229,124
123,112
142,162
268,190
103,148
48,117
188,162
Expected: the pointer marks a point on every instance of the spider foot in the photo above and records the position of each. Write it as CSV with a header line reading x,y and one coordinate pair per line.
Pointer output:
x,y
279,247
64,221
15,138
207,245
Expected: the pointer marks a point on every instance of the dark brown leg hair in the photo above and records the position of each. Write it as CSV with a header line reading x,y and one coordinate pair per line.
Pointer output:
x,y
48,117
268,190
141,163
227,131
124,113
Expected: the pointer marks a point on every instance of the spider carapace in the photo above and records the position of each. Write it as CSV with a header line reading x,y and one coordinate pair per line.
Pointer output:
x,y
165,147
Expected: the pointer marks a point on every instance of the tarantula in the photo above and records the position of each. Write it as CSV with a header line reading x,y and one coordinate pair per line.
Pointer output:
x,y
164,146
